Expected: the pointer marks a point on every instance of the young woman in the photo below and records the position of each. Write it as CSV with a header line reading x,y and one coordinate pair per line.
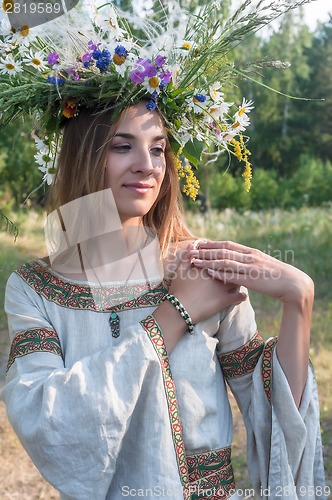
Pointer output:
x,y
107,389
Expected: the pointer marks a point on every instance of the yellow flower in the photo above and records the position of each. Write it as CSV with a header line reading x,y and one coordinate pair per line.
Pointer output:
x,y
242,154
191,186
237,149
247,174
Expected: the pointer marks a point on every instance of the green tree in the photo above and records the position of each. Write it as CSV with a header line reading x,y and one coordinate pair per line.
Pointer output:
x,y
318,118
276,134
19,173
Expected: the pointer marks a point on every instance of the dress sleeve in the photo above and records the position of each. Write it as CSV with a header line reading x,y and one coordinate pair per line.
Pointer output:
x,y
71,421
284,450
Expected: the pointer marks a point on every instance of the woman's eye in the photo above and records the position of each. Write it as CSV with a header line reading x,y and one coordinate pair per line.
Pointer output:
x,y
121,147
157,151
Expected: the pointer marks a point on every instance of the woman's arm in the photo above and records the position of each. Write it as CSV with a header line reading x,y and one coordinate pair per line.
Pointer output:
x,y
237,264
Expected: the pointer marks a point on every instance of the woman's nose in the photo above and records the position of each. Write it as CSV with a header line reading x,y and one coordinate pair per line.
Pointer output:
x,y
143,161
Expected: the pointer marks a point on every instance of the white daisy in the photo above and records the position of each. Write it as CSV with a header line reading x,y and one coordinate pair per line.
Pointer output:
x,y
245,108
41,145
43,158
214,94
107,19
48,176
23,36
218,110
151,84
185,46
9,66
240,123
6,48
36,59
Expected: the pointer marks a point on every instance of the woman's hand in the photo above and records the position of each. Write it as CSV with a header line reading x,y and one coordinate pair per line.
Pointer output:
x,y
237,264
201,295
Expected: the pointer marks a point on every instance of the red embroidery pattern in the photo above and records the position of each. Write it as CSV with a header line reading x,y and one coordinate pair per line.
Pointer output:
x,y
34,340
211,475
75,296
266,368
243,360
155,334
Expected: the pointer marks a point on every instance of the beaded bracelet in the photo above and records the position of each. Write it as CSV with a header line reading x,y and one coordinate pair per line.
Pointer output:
x,y
179,307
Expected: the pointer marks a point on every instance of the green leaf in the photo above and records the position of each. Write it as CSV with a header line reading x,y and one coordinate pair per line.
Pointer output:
x,y
193,151
8,225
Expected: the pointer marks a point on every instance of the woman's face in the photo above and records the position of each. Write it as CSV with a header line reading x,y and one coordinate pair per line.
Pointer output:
x,y
136,162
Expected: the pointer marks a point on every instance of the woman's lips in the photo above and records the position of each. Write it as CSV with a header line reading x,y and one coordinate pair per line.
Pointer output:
x,y
139,188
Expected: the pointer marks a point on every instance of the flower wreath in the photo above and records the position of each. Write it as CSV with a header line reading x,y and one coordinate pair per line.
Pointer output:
x,y
90,58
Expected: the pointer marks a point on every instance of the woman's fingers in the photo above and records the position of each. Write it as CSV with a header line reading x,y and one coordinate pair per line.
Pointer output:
x,y
225,265
226,245
222,254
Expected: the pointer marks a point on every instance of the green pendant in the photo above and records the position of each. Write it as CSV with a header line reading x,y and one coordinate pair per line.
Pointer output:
x,y
115,325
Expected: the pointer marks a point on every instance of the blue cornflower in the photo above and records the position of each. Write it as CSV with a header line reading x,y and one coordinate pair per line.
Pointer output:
x,y
55,80
154,95
121,51
97,54
200,97
106,55
102,64
151,105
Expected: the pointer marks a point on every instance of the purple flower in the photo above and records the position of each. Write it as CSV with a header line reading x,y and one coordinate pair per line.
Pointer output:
x,y
151,71
142,68
154,95
92,46
53,58
166,76
86,57
151,105
121,51
136,76
160,60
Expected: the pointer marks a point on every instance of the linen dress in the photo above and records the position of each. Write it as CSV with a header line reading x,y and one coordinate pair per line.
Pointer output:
x,y
106,417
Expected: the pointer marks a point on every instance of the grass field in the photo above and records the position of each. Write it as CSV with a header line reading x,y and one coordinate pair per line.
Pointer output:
x,y
302,238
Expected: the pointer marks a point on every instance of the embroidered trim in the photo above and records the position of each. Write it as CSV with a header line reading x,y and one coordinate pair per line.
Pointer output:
x,y
243,360
34,340
155,335
266,368
76,296
211,474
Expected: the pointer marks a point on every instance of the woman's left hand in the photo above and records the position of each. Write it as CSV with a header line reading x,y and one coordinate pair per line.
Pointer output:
x,y
241,265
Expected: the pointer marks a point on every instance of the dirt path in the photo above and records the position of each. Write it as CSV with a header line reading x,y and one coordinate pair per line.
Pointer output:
x,y
19,478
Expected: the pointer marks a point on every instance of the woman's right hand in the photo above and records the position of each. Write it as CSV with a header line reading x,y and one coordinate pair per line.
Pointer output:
x,y
201,295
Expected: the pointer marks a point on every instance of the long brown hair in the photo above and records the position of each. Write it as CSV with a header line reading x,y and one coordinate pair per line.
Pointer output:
x,y
81,171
